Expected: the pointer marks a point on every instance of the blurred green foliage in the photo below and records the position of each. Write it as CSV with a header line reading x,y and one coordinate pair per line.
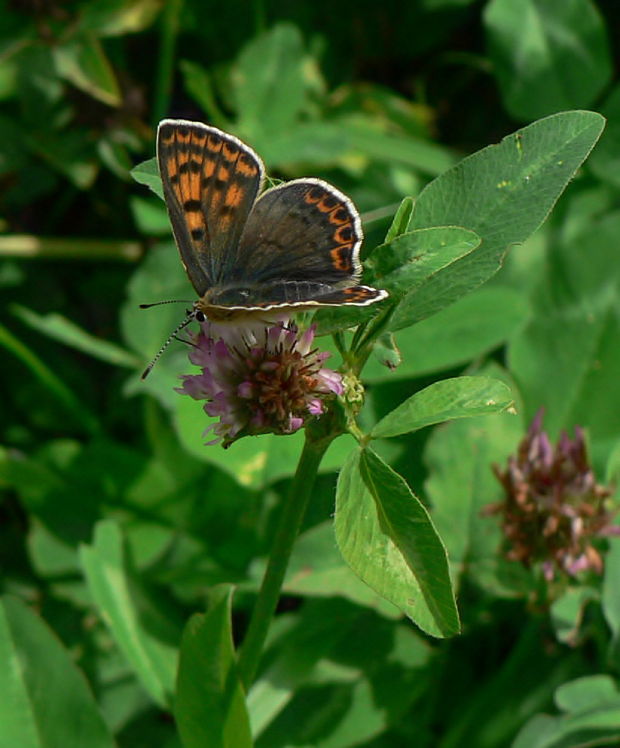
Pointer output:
x,y
116,521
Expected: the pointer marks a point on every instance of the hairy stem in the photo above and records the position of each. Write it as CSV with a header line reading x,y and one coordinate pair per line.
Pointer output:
x,y
288,528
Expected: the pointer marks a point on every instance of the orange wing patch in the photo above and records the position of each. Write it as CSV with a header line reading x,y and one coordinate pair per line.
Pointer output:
x,y
215,143
234,195
358,294
339,216
327,204
246,167
344,234
208,168
230,151
171,169
341,257
313,196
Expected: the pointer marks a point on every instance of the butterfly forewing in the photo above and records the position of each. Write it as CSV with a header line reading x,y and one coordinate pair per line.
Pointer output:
x,y
210,182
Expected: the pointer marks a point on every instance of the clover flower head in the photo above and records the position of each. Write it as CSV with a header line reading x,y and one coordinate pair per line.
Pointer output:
x,y
258,377
553,506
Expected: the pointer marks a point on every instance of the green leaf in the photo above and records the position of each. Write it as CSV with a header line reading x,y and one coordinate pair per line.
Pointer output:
x,y
410,264
386,352
45,700
82,61
611,587
40,90
336,714
160,276
13,154
306,651
597,722
468,329
567,612
317,569
402,219
209,706
343,141
567,357
60,328
412,258
122,606
150,215
8,78
605,158
118,17
269,81
148,173
50,381
549,55
404,267
71,153
198,84
387,538
428,157
612,470
460,397
588,692
458,458
114,156
503,193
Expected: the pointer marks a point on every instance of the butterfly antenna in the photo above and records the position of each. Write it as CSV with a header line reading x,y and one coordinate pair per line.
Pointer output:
x,y
190,318
169,301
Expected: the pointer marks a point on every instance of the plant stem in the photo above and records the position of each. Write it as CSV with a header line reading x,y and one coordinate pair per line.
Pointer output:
x,y
288,527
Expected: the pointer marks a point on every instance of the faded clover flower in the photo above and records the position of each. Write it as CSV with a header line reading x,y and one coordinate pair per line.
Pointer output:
x,y
258,378
553,507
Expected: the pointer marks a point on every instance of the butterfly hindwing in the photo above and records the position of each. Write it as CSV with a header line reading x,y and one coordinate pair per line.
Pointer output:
x,y
303,230
287,295
210,180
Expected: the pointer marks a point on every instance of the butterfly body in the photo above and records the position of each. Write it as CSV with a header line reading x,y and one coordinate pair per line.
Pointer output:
x,y
295,246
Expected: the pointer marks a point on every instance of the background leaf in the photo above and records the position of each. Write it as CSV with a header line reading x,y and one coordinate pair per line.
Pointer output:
x,y
68,332
45,700
572,337
148,173
122,607
270,81
460,484
548,55
82,61
210,707
605,158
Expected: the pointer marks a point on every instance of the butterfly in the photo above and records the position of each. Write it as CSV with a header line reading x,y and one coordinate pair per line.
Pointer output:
x,y
295,246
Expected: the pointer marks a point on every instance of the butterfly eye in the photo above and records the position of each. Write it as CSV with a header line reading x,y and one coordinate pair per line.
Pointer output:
x,y
199,316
